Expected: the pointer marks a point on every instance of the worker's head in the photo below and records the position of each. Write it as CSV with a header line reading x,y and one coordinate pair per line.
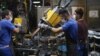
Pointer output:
x,y
64,13
79,13
7,14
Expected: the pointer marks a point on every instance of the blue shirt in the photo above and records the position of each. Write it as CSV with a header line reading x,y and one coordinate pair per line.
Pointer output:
x,y
6,28
70,28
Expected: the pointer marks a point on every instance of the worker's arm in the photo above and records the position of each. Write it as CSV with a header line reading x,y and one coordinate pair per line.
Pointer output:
x,y
44,26
11,27
16,30
59,29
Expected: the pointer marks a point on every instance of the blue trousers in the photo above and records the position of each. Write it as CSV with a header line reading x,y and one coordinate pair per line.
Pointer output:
x,y
6,52
83,50
73,50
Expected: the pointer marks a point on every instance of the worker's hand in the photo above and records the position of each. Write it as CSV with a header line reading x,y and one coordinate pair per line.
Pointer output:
x,y
44,26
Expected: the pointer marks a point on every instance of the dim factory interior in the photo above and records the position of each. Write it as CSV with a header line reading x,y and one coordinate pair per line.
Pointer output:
x,y
41,28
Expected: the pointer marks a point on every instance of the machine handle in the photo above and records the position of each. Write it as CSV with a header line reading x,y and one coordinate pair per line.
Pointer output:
x,y
66,5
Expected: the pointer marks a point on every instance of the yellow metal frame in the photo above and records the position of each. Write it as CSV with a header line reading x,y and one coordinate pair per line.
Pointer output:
x,y
53,17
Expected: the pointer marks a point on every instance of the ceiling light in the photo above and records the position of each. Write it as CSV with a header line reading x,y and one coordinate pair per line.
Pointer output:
x,y
36,2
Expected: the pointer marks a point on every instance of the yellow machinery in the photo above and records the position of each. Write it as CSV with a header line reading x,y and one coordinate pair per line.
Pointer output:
x,y
52,16
18,20
21,21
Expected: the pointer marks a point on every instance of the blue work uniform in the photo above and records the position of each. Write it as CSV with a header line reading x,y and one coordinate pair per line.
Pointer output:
x,y
70,28
6,28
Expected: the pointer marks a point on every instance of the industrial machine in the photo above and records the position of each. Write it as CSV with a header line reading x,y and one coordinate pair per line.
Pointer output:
x,y
94,42
49,42
43,42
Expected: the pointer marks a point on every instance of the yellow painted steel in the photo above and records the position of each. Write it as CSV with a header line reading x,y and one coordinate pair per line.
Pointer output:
x,y
18,20
53,17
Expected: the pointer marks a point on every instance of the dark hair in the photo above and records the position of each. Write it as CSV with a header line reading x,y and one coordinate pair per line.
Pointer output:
x,y
63,11
5,12
79,11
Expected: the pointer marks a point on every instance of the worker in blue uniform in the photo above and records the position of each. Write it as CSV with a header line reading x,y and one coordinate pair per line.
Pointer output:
x,y
70,28
6,28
